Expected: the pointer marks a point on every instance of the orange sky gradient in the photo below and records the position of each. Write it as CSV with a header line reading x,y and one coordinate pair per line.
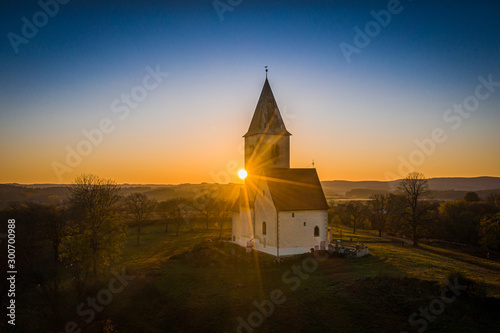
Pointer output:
x,y
358,118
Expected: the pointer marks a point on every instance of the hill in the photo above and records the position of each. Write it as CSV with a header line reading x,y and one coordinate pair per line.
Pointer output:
x,y
443,189
334,188
189,284
49,194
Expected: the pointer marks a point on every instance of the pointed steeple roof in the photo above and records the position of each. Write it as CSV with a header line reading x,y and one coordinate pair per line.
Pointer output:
x,y
267,118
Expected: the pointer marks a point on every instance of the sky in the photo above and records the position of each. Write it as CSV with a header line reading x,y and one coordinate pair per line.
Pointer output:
x,y
161,92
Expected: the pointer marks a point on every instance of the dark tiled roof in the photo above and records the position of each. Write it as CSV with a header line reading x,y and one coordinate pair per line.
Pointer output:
x,y
267,118
295,189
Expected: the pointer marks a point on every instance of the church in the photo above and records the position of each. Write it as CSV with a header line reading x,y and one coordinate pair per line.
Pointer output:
x,y
281,210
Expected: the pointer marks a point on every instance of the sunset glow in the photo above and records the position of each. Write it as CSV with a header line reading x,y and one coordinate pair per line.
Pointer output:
x,y
250,166
166,97
242,173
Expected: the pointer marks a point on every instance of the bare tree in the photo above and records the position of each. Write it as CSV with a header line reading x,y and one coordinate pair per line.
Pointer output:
x,y
379,204
414,188
163,209
185,216
356,212
173,212
396,206
222,209
140,207
205,205
96,235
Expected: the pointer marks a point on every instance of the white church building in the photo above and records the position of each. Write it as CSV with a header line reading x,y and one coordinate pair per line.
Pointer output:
x,y
281,210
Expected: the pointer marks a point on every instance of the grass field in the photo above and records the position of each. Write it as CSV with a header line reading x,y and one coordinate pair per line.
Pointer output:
x,y
425,262
219,291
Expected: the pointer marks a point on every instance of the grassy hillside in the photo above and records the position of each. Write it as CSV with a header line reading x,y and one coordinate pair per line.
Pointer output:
x,y
210,288
425,262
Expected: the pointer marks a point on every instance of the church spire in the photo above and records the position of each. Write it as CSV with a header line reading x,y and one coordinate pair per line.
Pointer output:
x,y
267,118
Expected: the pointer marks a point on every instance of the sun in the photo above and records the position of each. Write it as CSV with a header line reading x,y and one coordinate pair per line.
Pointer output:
x,y
242,173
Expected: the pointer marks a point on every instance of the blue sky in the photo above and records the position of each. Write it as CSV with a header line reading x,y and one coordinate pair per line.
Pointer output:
x,y
356,120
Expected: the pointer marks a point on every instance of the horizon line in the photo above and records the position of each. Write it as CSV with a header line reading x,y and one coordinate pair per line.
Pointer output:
x,y
202,183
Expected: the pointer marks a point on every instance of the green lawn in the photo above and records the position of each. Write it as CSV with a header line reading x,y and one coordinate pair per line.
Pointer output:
x,y
376,293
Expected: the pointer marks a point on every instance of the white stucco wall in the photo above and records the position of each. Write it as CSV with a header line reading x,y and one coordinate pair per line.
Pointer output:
x,y
242,225
296,238
265,212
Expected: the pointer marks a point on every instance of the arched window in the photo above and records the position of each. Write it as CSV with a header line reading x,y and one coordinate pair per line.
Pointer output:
x,y
264,228
316,231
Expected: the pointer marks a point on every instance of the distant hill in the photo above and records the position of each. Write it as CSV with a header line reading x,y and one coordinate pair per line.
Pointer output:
x,y
443,189
16,193
343,186
334,188
52,194
465,184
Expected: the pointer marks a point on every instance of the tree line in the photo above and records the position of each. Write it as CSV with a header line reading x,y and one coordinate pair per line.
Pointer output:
x,y
411,213
79,240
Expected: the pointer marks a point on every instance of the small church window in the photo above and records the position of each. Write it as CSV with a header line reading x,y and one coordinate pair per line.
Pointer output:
x,y
316,231
304,224
293,214
264,228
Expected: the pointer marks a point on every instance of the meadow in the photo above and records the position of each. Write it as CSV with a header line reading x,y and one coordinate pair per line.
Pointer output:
x,y
188,284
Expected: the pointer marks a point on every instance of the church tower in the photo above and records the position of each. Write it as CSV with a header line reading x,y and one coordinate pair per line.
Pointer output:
x,y
267,142
280,210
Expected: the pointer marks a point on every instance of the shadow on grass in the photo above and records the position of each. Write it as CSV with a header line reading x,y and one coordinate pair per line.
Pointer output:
x,y
459,257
